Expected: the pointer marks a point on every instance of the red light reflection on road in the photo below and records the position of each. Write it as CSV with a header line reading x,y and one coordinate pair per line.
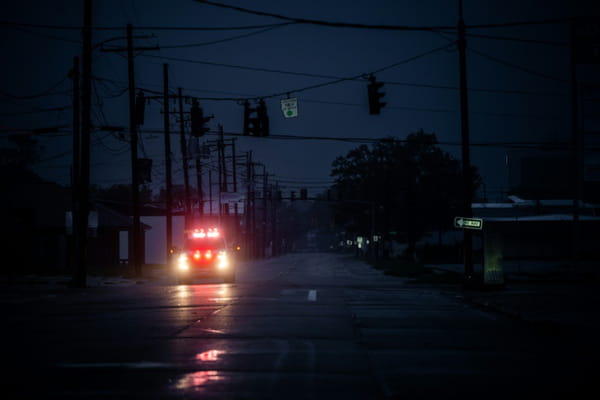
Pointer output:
x,y
197,380
210,355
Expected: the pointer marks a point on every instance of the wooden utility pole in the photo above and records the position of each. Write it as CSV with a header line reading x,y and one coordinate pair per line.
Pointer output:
x,y
136,235
135,176
199,184
466,157
233,165
83,187
168,172
75,169
184,156
210,193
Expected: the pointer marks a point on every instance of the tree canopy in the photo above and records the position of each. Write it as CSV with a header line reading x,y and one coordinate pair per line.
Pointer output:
x,y
410,187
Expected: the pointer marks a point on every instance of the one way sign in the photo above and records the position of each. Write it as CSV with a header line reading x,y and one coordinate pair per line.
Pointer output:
x,y
468,223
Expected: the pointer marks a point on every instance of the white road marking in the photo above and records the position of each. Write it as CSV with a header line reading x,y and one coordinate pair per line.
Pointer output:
x,y
312,295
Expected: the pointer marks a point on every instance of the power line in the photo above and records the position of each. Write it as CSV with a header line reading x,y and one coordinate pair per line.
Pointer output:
x,y
47,92
515,66
37,111
358,78
522,40
335,79
47,36
379,27
245,35
144,28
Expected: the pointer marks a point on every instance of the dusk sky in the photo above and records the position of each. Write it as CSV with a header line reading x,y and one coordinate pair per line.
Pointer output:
x,y
518,89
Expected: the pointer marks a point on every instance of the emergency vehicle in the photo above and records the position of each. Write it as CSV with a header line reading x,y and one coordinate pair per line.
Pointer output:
x,y
204,253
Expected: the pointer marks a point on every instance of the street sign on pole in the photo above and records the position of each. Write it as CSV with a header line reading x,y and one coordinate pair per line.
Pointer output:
x,y
468,223
289,107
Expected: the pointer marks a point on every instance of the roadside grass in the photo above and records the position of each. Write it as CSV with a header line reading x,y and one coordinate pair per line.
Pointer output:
x,y
415,271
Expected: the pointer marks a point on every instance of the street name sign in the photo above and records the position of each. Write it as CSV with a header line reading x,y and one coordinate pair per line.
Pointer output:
x,y
289,107
468,223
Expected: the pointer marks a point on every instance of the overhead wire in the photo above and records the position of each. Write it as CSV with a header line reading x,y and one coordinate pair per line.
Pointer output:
x,y
516,66
229,39
144,28
44,93
379,27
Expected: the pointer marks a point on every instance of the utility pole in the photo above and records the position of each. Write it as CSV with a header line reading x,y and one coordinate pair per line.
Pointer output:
x,y
184,156
274,200
75,170
233,165
220,160
86,125
210,196
578,154
222,164
264,216
466,157
168,172
136,242
135,179
199,184
248,209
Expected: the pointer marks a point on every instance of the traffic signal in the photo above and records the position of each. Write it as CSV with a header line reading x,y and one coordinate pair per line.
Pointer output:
x,y
375,103
250,123
140,107
198,120
263,118
256,120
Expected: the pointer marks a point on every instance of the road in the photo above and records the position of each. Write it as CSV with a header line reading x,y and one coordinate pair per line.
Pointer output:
x,y
301,326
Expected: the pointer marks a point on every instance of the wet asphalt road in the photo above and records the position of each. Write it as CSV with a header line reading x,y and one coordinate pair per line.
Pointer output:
x,y
302,326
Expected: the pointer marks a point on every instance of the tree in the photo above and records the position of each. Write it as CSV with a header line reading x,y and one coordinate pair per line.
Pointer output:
x,y
409,186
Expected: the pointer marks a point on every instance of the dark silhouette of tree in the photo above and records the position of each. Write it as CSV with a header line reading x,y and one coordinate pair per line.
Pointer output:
x,y
409,186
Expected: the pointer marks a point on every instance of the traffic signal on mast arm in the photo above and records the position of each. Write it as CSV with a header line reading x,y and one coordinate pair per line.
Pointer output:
x,y
375,103
198,120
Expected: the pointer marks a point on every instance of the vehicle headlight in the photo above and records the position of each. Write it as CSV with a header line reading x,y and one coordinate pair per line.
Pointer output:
x,y
223,260
182,262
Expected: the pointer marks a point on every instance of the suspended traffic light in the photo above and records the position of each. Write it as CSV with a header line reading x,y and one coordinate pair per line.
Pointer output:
x,y
198,120
375,103
250,123
263,118
256,120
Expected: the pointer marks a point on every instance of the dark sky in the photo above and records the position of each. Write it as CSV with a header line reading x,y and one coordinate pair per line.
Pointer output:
x,y
36,60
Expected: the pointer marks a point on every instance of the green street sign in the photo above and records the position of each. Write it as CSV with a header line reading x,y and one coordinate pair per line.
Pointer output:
x,y
468,223
289,107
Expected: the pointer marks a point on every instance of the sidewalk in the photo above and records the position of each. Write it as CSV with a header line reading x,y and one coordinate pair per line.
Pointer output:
x,y
542,293
150,273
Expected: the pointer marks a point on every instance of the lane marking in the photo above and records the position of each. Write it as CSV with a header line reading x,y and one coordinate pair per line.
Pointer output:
x,y
312,295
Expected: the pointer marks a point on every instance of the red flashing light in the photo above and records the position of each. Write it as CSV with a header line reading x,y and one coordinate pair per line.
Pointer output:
x,y
201,233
